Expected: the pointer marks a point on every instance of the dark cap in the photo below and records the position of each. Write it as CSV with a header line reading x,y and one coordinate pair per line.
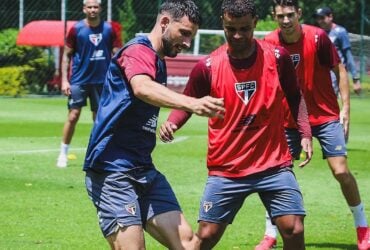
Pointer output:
x,y
321,12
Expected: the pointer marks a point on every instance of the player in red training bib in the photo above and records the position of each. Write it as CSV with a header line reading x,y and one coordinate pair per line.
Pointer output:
x,y
314,56
247,149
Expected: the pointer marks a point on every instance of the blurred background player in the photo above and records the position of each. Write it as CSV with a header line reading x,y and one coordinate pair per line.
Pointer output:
x,y
90,44
339,36
314,56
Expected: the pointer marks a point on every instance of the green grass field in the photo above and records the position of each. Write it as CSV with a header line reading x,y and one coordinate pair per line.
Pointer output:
x,y
43,207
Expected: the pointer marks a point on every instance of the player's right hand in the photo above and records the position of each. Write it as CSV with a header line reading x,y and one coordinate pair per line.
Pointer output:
x,y
307,147
166,131
209,106
66,88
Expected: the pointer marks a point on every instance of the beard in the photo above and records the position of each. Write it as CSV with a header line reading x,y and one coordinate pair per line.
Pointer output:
x,y
168,48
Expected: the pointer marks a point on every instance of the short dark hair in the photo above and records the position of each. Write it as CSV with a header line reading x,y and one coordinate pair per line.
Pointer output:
x,y
322,12
284,3
238,8
180,8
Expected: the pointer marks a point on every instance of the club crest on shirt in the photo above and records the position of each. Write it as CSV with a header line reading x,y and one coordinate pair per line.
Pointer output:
x,y
296,58
131,208
207,205
96,38
245,90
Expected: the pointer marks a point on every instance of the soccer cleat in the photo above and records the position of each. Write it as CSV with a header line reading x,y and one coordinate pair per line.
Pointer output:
x,y
363,238
266,244
62,161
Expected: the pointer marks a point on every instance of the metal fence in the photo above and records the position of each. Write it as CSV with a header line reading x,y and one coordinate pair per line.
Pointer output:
x,y
140,18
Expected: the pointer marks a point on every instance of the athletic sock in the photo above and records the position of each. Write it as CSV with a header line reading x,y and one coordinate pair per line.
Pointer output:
x,y
271,230
359,216
64,148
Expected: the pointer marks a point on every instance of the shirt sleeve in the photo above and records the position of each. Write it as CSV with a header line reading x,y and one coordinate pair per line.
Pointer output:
x,y
326,51
199,85
350,63
344,38
137,60
71,38
345,47
116,35
289,84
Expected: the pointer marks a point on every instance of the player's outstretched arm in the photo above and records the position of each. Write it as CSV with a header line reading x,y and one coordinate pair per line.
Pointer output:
x,y
158,95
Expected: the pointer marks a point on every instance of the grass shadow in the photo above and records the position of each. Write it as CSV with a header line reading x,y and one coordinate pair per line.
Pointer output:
x,y
361,150
331,246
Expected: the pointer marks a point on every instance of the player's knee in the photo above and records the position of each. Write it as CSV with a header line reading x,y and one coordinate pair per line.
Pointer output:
x,y
209,234
186,234
343,177
292,228
73,117
292,232
189,240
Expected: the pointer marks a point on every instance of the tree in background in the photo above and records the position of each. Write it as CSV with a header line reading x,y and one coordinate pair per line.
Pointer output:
x,y
347,13
127,18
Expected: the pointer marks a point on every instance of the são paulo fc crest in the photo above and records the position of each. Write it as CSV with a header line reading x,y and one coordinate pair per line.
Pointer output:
x,y
96,38
245,90
131,208
207,205
296,58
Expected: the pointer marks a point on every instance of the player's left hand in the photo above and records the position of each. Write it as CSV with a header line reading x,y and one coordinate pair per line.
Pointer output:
x,y
308,149
166,131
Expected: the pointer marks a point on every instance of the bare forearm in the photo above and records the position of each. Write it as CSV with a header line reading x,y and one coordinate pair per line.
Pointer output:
x,y
65,63
344,87
159,95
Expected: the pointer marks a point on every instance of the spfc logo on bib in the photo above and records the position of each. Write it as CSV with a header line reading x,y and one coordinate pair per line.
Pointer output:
x,y
245,90
131,208
296,58
96,38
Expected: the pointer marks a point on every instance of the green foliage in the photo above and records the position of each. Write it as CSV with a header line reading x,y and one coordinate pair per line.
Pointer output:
x,y
210,42
127,18
11,54
30,78
13,81
342,11
42,71
266,25
145,11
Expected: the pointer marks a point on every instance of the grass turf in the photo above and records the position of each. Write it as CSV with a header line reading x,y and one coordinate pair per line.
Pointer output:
x,y
43,207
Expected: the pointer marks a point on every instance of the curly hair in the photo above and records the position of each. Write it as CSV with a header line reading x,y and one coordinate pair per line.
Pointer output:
x,y
289,3
238,8
180,8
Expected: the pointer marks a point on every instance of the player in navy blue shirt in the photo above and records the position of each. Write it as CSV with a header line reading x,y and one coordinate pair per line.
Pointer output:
x,y
339,36
90,44
129,193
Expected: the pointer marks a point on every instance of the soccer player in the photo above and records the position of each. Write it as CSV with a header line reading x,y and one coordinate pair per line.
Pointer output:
x,y
314,56
129,193
90,44
247,150
339,36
